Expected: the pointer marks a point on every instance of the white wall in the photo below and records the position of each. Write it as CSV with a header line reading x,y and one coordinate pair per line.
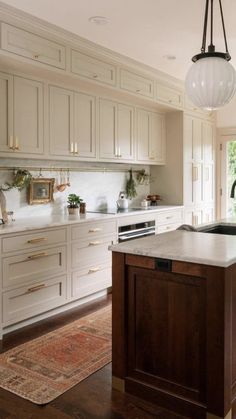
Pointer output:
x,y
97,189
226,117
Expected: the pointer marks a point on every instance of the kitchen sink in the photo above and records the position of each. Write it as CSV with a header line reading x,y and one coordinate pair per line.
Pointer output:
x,y
229,230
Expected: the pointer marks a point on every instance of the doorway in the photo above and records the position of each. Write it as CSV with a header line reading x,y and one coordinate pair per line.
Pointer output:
x,y
227,175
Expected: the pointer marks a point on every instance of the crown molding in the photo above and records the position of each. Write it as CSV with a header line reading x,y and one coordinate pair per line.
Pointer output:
x,y
33,24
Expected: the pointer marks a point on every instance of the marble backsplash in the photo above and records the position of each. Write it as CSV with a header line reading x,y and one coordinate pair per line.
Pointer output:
x,y
98,184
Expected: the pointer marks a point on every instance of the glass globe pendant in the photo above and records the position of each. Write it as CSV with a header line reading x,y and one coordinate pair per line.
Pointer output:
x,y
211,81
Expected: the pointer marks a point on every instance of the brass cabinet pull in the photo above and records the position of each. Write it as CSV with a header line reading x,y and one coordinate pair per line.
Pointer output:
x,y
95,243
11,142
95,76
37,256
92,270
16,144
169,217
36,56
37,240
94,230
36,288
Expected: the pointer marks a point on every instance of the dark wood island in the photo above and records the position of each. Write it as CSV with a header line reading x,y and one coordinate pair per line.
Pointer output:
x,y
174,322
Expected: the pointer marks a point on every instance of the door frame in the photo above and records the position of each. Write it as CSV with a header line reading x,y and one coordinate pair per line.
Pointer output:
x,y
223,136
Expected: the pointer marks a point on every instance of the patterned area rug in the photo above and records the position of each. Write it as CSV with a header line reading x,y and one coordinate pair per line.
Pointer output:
x,y
46,367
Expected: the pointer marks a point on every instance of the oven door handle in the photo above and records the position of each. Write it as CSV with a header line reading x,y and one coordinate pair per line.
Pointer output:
x,y
148,233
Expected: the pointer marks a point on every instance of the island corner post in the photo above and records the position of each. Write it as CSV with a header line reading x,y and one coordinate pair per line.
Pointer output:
x,y
174,334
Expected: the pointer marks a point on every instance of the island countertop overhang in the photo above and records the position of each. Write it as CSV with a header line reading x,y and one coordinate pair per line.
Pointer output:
x,y
193,247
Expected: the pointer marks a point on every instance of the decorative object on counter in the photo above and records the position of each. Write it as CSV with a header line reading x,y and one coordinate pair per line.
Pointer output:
x,y
40,190
64,181
211,81
73,201
122,202
82,208
131,186
21,179
153,199
11,215
143,178
3,211
145,203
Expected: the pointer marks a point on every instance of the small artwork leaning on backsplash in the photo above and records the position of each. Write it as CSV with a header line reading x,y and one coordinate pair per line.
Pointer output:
x,y
40,190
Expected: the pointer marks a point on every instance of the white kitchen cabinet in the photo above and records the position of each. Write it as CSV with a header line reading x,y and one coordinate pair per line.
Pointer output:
x,y
32,46
21,115
208,214
136,83
92,68
193,216
6,112
116,132
28,116
169,95
199,143
150,137
84,125
72,123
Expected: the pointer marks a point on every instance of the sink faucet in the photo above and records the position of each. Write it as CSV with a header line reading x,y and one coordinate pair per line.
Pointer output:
x,y
232,193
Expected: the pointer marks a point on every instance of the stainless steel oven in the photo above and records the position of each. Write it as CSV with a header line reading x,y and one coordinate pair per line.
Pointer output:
x,y
134,231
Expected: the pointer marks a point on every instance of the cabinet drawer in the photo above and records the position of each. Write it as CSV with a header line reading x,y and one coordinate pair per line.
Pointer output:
x,y
169,95
136,84
168,227
33,240
32,46
94,69
25,302
169,217
92,230
88,282
32,266
89,252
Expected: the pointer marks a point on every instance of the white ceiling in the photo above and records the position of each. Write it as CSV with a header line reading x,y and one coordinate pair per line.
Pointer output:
x,y
145,30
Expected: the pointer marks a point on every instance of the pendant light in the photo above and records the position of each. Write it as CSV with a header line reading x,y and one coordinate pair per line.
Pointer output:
x,y
211,81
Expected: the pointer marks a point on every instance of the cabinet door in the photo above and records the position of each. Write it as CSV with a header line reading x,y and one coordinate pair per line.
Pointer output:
x,y
28,115
208,141
84,119
108,148
6,112
208,215
143,134
208,183
157,143
125,140
197,139
61,121
197,183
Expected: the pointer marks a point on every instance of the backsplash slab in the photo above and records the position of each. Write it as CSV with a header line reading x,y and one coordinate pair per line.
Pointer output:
x,y
97,184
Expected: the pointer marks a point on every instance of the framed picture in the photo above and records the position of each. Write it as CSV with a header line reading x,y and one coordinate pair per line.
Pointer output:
x,y
40,191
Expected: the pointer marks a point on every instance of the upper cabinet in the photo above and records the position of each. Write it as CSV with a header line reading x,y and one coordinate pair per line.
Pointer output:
x,y
21,115
92,68
150,137
116,131
136,83
170,95
32,46
72,123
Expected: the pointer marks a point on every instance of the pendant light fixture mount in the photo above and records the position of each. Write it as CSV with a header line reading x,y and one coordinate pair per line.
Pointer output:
x,y
211,81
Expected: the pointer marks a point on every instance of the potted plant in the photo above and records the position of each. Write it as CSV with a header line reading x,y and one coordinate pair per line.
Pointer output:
x,y
73,201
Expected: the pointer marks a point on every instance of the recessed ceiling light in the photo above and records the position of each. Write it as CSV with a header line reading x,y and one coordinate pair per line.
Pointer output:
x,y
99,20
169,57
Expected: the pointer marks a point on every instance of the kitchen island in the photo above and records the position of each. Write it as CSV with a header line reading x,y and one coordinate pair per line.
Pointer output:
x,y
174,321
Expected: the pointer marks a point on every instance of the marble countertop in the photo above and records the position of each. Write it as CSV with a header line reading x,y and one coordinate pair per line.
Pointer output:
x,y
195,247
32,223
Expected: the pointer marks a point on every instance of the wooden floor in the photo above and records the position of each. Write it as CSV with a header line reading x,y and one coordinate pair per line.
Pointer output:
x,y
91,399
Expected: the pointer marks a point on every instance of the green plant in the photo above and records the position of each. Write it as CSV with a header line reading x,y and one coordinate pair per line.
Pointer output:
x,y
21,180
74,200
130,186
143,178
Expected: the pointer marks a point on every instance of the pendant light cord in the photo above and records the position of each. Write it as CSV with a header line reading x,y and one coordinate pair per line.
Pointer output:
x,y
223,25
211,44
203,49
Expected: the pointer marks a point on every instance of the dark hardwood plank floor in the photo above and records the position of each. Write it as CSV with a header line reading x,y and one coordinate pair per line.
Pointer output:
x,y
93,398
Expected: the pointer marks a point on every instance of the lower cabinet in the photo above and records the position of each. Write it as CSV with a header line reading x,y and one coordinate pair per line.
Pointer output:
x,y
91,280
30,300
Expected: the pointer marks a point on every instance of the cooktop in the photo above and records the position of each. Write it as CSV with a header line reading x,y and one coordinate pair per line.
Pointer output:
x,y
121,211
